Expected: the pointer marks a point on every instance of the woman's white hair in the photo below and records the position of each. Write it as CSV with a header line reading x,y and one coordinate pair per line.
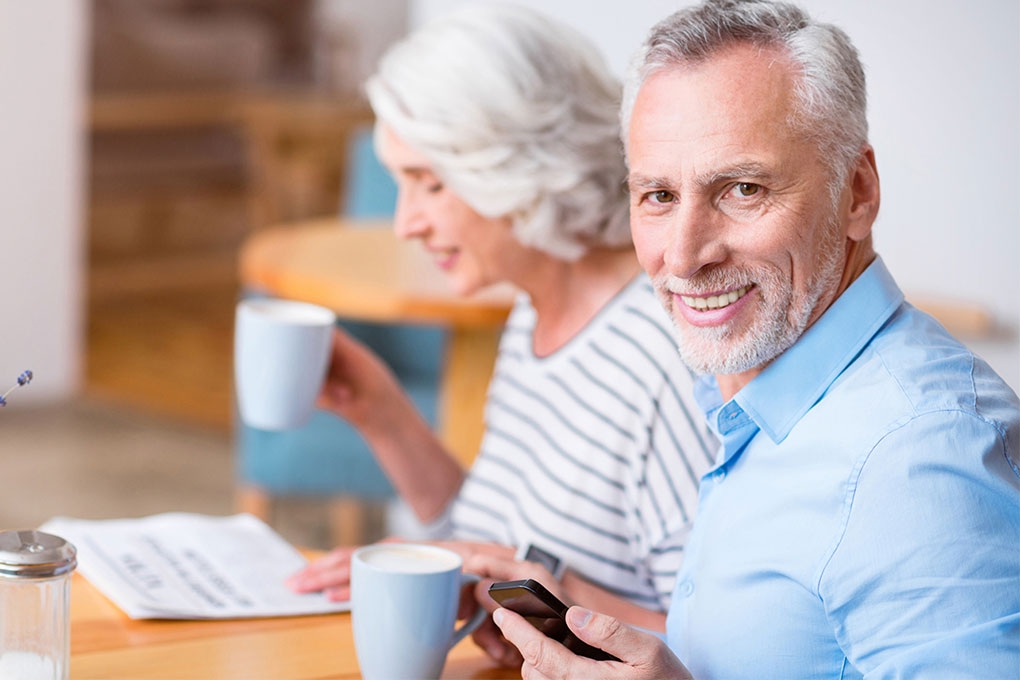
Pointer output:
x,y
518,115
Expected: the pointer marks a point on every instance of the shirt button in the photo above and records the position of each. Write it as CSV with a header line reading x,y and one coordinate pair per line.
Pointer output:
x,y
686,588
720,474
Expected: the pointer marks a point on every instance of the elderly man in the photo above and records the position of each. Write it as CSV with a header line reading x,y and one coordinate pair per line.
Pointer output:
x,y
863,517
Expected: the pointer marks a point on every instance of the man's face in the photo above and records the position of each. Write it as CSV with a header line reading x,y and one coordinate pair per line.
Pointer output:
x,y
730,210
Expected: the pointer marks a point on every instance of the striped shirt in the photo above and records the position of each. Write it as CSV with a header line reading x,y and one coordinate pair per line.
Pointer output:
x,y
592,453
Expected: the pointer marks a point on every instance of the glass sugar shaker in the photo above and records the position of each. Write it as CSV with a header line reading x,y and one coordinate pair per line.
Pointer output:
x,y
35,589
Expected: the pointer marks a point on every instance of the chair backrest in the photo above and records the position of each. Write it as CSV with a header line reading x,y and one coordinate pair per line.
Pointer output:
x,y
369,190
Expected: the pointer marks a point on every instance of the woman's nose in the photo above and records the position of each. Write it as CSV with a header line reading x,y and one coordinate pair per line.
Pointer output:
x,y
408,221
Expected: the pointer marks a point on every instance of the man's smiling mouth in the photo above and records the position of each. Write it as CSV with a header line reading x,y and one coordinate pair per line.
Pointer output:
x,y
715,301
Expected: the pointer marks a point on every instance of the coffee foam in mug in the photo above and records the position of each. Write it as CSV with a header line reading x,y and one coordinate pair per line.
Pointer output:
x,y
290,312
410,560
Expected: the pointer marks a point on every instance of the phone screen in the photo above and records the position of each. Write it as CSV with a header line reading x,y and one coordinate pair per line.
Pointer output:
x,y
544,611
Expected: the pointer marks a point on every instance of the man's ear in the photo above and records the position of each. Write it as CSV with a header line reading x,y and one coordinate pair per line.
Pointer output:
x,y
865,196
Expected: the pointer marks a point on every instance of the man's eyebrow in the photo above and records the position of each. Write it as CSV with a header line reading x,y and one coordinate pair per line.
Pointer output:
x,y
750,170
635,182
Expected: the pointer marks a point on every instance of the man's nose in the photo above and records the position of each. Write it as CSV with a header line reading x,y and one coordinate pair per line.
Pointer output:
x,y
695,240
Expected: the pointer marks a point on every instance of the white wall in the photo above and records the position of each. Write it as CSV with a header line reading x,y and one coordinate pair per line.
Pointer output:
x,y
944,90
42,85
358,31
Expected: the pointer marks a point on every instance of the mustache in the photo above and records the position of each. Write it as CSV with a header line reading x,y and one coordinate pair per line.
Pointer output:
x,y
710,282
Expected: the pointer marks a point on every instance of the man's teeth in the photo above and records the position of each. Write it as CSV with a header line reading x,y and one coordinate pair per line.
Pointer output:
x,y
715,301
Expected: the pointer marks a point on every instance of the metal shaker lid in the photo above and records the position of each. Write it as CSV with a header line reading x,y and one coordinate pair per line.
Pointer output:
x,y
34,554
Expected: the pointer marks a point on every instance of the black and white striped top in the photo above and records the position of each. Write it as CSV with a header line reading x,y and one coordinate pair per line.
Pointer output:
x,y
593,453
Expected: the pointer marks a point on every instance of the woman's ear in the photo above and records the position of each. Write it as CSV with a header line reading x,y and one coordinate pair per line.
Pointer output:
x,y
865,196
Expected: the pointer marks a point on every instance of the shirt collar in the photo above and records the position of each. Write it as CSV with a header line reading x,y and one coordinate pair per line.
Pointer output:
x,y
781,394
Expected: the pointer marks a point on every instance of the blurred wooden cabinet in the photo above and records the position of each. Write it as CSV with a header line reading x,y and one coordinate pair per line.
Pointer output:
x,y
179,178
169,179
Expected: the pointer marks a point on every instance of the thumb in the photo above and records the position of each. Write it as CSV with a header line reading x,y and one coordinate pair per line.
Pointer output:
x,y
605,632
645,653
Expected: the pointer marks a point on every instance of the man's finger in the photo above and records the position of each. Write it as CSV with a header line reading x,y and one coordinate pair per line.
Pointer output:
x,y
543,656
642,652
488,637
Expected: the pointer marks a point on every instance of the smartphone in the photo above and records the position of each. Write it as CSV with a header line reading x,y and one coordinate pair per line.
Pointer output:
x,y
544,611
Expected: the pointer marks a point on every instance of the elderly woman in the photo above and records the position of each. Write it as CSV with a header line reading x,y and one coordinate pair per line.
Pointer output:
x,y
500,127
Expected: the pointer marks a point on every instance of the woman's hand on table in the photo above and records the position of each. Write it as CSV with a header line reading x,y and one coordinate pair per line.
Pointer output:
x,y
330,574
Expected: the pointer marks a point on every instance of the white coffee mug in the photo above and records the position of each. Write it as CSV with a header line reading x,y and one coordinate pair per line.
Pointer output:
x,y
404,600
281,354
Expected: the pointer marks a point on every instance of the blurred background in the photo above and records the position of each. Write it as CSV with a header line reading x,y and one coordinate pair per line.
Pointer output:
x,y
144,141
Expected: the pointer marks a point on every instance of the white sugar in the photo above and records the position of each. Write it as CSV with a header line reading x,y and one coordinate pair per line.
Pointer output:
x,y
28,666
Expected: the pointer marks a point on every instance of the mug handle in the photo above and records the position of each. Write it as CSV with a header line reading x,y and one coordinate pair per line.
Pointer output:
x,y
476,620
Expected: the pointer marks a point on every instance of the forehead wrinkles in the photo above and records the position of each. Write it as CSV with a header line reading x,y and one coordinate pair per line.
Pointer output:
x,y
742,86
706,151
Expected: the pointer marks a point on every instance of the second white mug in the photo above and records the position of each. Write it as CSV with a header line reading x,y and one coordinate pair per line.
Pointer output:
x,y
281,355
404,600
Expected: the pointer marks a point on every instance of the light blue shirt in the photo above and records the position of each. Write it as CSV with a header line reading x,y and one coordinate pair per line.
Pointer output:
x,y
863,520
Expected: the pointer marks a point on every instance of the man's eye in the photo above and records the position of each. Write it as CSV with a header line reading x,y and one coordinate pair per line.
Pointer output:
x,y
662,196
434,188
747,189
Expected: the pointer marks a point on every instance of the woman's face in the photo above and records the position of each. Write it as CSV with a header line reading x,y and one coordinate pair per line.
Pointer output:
x,y
471,249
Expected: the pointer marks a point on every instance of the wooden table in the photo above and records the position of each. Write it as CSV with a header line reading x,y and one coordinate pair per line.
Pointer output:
x,y
107,645
362,271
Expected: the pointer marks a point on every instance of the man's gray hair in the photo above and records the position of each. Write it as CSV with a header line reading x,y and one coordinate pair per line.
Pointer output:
x,y
518,115
831,94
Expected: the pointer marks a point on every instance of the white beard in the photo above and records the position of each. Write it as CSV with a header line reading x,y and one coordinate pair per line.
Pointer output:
x,y
781,318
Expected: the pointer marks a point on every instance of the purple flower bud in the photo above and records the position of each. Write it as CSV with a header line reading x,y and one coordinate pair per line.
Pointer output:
x,y
25,378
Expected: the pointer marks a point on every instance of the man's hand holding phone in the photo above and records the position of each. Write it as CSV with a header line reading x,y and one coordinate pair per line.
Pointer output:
x,y
492,568
641,656
545,612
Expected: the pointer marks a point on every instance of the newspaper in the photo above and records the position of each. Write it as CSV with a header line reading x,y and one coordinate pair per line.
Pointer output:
x,y
188,566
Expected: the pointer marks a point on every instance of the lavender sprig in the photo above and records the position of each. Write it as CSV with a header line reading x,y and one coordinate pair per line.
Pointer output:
x,y
23,379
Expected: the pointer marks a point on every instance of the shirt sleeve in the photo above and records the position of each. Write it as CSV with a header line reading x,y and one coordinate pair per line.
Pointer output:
x,y
925,580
